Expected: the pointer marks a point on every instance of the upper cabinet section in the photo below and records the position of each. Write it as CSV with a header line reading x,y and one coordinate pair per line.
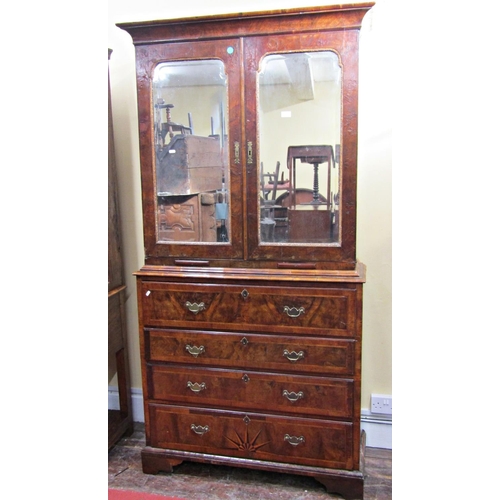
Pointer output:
x,y
248,137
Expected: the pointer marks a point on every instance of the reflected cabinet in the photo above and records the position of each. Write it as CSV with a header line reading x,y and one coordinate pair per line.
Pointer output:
x,y
250,296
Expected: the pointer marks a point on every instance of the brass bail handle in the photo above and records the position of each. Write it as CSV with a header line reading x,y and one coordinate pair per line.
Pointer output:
x,y
294,312
293,356
294,440
200,429
293,396
196,387
194,307
195,350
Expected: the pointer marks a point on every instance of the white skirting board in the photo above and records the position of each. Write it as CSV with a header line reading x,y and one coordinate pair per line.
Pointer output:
x,y
137,402
378,429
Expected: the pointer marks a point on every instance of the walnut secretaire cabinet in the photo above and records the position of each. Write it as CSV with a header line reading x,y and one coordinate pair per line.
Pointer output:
x,y
250,298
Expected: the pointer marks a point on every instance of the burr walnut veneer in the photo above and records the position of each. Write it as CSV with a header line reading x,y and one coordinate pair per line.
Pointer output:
x,y
250,322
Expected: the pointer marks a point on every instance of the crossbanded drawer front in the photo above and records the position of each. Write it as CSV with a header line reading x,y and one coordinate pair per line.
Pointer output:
x,y
312,442
252,351
303,310
247,390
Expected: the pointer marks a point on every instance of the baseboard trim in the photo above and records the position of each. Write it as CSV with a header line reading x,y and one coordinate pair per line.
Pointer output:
x,y
137,402
378,428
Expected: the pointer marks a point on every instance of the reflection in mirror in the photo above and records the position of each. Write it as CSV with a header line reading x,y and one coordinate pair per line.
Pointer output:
x,y
191,156
299,106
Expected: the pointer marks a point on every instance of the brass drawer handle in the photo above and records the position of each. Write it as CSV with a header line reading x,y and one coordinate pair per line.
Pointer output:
x,y
294,312
293,396
196,387
194,307
294,440
198,429
195,351
293,356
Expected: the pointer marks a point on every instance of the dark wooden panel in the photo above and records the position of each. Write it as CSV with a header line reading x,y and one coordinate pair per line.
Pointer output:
x,y
119,421
116,326
115,258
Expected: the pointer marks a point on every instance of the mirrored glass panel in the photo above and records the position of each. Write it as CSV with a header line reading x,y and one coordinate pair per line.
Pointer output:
x,y
299,106
191,156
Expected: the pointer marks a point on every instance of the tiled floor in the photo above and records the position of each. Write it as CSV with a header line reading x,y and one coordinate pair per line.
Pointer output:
x,y
194,481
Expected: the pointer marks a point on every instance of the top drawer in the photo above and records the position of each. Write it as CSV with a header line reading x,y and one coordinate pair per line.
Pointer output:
x,y
316,311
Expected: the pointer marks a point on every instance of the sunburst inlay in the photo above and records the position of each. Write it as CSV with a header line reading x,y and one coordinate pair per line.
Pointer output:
x,y
246,444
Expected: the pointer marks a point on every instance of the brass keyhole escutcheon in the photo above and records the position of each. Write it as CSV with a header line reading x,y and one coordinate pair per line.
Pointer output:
x,y
244,341
245,378
249,152
245,294
236,152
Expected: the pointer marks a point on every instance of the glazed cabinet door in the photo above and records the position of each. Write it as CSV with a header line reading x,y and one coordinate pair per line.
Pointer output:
x,y
190,136
301,109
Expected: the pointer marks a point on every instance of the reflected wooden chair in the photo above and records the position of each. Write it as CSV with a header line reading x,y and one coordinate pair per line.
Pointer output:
x,y
310,221
271,184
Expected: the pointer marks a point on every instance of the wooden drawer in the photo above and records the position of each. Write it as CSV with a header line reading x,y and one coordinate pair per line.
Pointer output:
x,y
312,442
327,311
252,351
248,390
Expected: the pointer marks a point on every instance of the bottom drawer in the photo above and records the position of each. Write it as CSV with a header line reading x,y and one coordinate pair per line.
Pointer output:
x,y
312,442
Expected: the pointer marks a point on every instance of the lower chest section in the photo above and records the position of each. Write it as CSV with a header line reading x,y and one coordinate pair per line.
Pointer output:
x,y
258,372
